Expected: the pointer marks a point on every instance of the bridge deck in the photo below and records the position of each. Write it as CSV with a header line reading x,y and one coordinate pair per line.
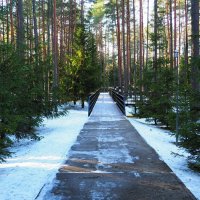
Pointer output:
x,y
111,161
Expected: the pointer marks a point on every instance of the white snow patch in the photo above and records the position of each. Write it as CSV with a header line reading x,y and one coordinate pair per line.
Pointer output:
x,y
36,163
105,128
107,156
129,110
105,172
110,139
106,119
100,194
176,158
137,175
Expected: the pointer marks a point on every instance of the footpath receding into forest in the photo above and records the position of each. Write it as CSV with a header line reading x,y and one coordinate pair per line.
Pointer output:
x,y
111,161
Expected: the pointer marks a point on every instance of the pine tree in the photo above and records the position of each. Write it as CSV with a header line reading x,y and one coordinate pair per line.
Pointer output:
x,y
83,70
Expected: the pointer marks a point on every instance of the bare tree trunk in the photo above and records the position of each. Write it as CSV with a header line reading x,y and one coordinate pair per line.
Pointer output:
x,y
3,23
128,44
31,36
141,45
186,40
62,55
119,46
7,23
73,23
102,56
11,22
168,33
171,35
49,13
20,28
113,59
179,30
195,73
39,21
43,31
35,32
147,47
175,35
48,27
134,53
156,35
70,28
55,47
124,46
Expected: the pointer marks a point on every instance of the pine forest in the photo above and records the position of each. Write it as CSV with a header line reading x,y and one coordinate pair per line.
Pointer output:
x,y
58,51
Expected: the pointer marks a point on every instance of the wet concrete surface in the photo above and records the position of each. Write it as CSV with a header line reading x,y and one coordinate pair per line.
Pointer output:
x,y
111,161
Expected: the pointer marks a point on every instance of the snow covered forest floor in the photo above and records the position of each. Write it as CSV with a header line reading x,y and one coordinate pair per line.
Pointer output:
x,y
35,163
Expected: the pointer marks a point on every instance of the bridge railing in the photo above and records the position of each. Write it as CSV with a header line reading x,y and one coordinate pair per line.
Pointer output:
x,y
119,99
92,100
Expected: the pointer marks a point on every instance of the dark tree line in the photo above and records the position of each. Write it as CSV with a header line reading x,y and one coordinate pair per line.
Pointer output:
x,y
48,56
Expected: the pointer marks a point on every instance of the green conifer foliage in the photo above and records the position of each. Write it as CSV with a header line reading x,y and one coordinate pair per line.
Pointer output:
x,y
19,111
83,69
156,103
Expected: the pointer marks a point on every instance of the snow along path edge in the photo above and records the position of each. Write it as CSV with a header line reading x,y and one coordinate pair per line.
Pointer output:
x,y
36,163
164,144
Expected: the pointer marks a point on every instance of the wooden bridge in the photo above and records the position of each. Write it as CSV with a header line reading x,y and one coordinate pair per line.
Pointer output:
x,y
111,161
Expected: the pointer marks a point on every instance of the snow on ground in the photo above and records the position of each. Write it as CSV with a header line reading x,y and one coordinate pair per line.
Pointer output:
x,y
176,158
36,162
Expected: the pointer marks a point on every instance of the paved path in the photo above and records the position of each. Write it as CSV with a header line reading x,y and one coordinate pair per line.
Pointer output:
x,y
110,161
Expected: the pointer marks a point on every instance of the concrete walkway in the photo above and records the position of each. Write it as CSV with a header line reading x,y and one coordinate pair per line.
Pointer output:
x,y
111,161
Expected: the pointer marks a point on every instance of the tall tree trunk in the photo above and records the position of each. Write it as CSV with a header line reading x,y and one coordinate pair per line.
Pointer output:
x,y
73,23
31,36
147,47
156,36
49,14
186,40
62,55
128,43
179,30
43,30
55,47
39,21
134,52
48,27
20,28
113,58
102,56
168,51
171,35
7,23
27,36
11,22
141,46
70,18
175,35
36,40
124,48
195,73
3,22
119,46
